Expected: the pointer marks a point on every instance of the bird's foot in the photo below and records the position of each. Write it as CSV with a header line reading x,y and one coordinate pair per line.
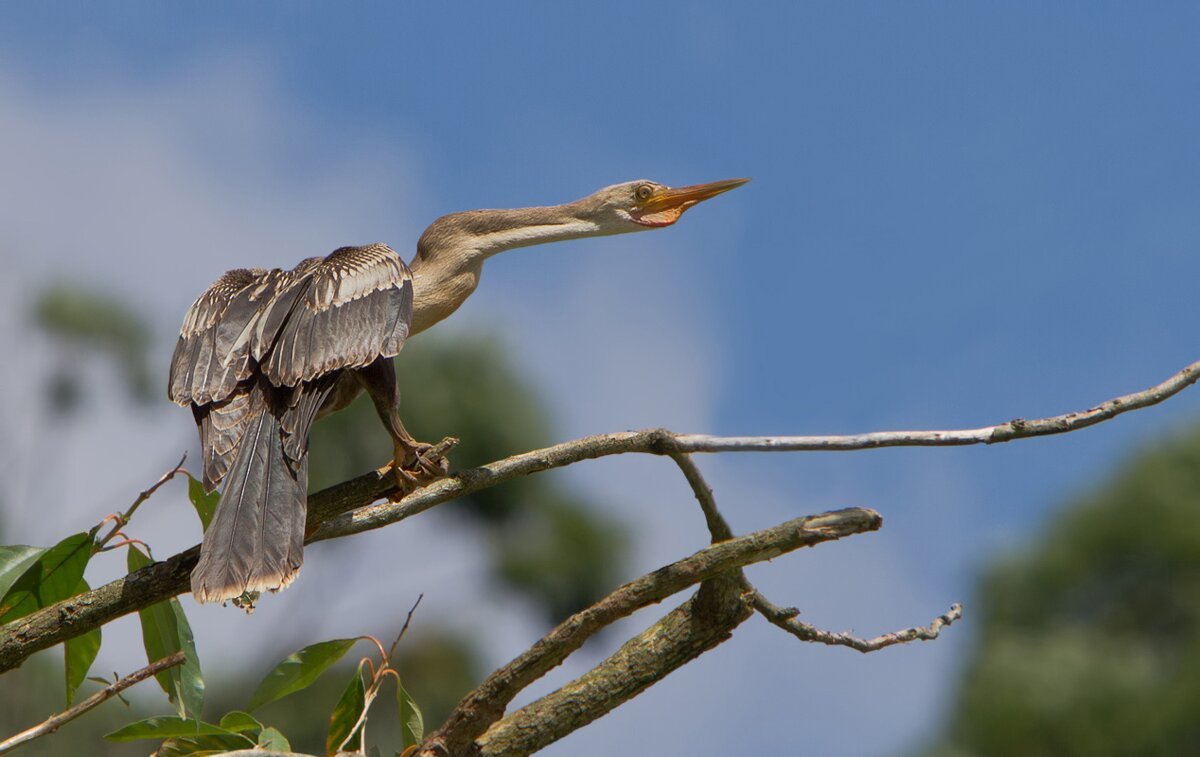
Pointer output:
x,y
415,464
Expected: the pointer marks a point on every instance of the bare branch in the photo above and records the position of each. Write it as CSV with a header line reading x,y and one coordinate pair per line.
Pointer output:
x,y
785,618
346,508
54,722
486,704
699,624
403,630
718,527
663,442
122,519
1002,432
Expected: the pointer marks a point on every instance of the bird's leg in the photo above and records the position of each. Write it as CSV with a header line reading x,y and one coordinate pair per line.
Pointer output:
x,y
413,463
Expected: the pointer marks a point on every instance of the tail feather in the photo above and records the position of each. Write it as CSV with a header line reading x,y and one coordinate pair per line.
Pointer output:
x,y
256,539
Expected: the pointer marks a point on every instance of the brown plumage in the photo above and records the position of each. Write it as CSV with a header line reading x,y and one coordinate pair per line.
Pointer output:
x,y
262,354
259,357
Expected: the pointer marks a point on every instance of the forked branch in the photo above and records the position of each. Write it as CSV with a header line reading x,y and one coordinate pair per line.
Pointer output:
x,y
347,508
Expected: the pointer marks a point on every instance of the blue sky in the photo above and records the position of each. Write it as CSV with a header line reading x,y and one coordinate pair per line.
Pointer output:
x,y
959,215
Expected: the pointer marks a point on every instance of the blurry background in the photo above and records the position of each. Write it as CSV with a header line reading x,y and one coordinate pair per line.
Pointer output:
x,y
959,215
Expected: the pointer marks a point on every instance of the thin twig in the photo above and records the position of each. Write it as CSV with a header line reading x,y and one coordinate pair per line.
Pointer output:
x,y
1018,428
122,519
718,527
785,618
54,722
377,678
403,629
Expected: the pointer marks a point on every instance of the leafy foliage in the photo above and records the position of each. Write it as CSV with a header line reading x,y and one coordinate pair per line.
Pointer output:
x,y
241,722
345,716
49,576
170,727
412,724
165,630
54,576
1090,644
298,670
204,502
272,740
14,561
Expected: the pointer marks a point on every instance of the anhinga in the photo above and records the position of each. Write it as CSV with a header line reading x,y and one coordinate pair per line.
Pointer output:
x,y
263,353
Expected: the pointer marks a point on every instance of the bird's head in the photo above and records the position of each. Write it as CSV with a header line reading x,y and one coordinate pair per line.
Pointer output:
x,y
642,204
465,239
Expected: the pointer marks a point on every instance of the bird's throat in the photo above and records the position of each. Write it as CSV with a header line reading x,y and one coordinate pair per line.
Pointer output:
x,y
438,290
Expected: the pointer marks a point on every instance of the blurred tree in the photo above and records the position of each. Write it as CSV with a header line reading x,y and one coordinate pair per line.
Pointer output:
x,y
546,542
438,668
1090,644
78,317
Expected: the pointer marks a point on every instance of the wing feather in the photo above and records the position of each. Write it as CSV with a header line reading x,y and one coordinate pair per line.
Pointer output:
x,y
259,354
198,373
222,425
342,311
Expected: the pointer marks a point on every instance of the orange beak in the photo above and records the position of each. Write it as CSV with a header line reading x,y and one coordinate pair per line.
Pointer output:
x,y
667,205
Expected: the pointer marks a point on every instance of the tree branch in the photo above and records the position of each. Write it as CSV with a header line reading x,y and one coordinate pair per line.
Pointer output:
x,y
120,520
1003,432
54,722
486,704
785,618
664,442
718,527
699,624
346,508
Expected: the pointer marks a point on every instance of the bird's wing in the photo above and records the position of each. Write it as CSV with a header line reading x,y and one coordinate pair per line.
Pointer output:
x,y
222,425
341,311
199,367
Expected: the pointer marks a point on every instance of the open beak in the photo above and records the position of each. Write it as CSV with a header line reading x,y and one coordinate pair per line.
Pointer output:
x,y
667,205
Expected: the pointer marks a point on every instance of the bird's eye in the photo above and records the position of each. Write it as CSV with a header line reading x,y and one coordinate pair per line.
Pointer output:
x,y
644,192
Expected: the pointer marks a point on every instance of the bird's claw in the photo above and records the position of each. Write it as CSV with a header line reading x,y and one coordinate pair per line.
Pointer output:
x,y
415,464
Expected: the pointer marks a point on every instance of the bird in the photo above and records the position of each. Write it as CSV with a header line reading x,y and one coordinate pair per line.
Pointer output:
x,y
263,353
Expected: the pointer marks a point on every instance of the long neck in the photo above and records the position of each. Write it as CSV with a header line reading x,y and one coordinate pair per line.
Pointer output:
x,y
452,250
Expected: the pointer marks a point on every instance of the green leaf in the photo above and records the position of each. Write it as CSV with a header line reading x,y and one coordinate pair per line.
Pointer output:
x,y
171,727
345,716
298,670
53,577
274,740
241,722
204,502
79,653
200,745
412,723
165,631
15,560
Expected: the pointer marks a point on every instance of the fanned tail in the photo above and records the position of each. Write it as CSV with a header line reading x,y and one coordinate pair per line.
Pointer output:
x,y
255,541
